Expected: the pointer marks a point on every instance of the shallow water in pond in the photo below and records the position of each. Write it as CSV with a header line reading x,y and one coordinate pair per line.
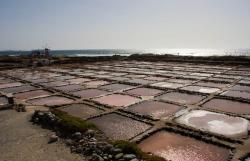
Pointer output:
x,y
31,94
229,126
182,98
81,110
117,87
18,89
119,127
176,147
228,106
117,100
89,93
157,110
144,91
50,101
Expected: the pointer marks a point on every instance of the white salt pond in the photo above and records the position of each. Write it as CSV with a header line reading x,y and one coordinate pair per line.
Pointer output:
x,y
221,124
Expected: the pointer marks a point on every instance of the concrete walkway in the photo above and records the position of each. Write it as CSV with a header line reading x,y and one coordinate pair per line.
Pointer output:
x,y
22,141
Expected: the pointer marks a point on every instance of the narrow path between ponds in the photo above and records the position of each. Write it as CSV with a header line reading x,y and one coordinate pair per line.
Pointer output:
x,y
22,141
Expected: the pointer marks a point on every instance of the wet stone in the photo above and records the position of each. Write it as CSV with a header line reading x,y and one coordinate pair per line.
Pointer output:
x,y
89,93
176,147
31,94
157,110
50,101
81,110
118,127
182,98
117,100
18,89
221,124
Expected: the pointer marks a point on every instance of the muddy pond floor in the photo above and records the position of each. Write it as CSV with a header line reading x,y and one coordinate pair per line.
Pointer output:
x,y
179,111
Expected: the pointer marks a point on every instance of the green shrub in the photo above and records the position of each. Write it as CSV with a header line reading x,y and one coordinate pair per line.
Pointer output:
x,y
71,123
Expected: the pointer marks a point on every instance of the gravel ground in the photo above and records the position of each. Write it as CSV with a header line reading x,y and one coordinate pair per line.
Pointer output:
x,y
22,141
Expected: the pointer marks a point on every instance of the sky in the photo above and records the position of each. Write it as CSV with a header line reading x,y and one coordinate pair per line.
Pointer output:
x,y
124,24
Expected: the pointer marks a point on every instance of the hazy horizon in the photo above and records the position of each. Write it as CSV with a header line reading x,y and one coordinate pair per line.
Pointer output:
x,y
130,24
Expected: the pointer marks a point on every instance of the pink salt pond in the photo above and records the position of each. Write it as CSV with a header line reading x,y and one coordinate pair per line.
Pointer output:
x,y
182,98
31,94
118,127
81,110
221,124
50,101
230,106
145,92
175,147
154,109
89,93
117,100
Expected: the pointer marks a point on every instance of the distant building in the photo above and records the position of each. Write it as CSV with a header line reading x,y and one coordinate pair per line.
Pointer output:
x,y
39,53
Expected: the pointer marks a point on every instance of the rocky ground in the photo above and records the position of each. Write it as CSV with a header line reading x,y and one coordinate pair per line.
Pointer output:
x,y
22,141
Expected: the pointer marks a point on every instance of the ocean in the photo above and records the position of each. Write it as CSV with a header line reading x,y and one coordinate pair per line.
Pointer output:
x,y
127,52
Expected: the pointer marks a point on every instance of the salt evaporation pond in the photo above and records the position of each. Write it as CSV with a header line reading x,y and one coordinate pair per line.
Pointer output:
x,y
221,124
81,110
155,109
201,89
182,98
117,100
50,101
176,147
31,94
225,105
119,127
